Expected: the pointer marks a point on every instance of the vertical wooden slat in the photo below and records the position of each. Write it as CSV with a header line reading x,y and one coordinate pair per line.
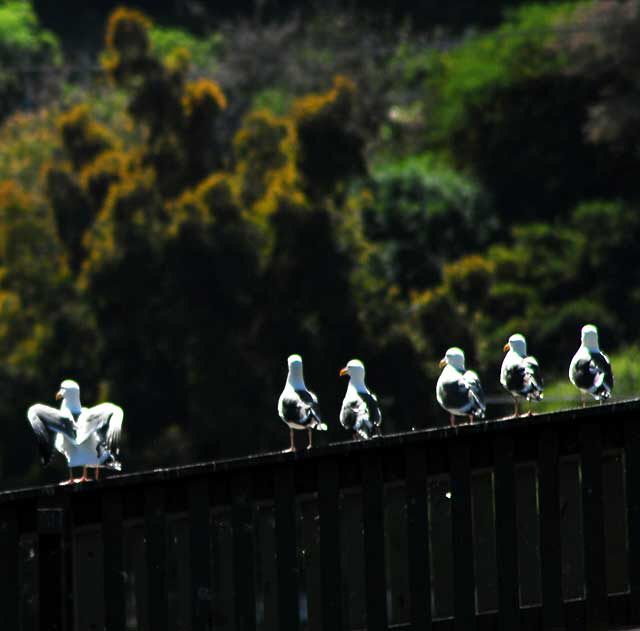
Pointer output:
x,y
374,545
88,579
113,561
243,556
329,504
52,574
593,515
156,559
632,487
9,568
550,540
199,554
462,529
287,566
506,534
418,538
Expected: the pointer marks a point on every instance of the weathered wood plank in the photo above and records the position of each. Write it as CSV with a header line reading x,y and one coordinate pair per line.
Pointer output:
x,y
9,568
52,573
155,533
550,541
632,486
418,538
593,516
329,506
374,544
506,534
243,551
199,554
461,523
113,561
287,568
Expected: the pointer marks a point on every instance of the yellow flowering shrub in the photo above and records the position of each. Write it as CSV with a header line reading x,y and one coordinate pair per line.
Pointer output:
x,y
82,137
329,150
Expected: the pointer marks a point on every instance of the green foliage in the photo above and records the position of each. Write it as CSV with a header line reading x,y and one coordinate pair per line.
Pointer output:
x,y
202,51
502,106
27,143
424,213
467,77
345,190
23,43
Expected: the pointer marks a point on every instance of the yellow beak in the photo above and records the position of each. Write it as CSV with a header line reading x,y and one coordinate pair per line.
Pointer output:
x,y
59,395
443,362
506,347
343,372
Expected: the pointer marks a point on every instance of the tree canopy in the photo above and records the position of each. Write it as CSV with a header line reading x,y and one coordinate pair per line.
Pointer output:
x,y
171,232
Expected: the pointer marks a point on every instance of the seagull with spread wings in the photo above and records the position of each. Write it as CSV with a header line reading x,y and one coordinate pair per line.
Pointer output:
x,y
86,437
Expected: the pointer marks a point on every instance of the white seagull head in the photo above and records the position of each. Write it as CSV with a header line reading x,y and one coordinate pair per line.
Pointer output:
x,y
454,357
517,344
68,386
295,369
70,394
355,370
589,335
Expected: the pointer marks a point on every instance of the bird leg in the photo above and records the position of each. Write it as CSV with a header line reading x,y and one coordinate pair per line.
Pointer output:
x,y
517,411
530,412
452,420
97,473
292,445
310,433
85,477
71,479
470,418
584,403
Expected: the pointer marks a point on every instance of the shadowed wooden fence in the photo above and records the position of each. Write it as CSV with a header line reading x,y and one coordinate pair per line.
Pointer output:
x,y
513,525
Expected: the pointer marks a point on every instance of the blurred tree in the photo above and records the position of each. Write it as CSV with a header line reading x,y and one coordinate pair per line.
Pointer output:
x,y
330,151
23,46
500,104
423,214
603,49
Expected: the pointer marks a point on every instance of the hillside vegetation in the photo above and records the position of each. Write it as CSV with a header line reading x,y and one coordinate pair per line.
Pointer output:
x,y
187,210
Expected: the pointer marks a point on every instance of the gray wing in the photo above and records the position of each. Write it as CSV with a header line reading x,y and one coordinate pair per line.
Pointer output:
x,y
534,376
375,413
476,391
300,408
311,400
355,415
603,379
46,423
104,419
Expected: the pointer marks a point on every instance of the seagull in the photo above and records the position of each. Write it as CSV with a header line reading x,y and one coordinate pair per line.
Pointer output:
x,y
457,391
520,374
298,406
87,437
360,411
590,369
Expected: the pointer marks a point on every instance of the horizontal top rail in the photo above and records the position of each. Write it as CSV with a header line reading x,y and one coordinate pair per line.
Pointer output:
x,y
621,409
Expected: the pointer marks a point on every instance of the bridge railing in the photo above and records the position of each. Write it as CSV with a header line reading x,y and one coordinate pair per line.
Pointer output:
x,y
525,524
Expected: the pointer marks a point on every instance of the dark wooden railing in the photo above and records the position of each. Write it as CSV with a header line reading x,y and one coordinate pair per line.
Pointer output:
x,y
520,524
